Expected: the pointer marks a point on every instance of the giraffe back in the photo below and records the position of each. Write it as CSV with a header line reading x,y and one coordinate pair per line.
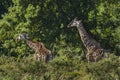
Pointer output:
x,y
33,45
43,53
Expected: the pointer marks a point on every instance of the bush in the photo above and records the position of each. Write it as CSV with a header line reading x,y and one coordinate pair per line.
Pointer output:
x,y
60,68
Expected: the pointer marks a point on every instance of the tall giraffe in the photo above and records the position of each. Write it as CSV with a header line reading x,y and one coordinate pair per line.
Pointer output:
x,y
94,49
41,52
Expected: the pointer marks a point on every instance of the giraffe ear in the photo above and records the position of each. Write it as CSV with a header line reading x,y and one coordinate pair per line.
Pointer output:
x,y
17,39
80,20
76,18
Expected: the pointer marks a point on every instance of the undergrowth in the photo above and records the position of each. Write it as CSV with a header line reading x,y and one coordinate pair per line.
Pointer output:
x,y
60,68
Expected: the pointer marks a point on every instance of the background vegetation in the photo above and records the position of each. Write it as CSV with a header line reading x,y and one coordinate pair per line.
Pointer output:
x,y
46,21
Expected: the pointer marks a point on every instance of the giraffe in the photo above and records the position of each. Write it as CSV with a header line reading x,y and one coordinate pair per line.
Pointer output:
x,y
94,49
41,52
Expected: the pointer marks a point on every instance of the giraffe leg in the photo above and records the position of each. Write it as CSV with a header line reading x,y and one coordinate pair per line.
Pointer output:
x,y
98,55
89,57
45,58
35,56
40,57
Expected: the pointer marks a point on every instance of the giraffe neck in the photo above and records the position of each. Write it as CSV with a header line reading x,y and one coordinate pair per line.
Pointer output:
x,y
31,44
82,31
83,34
86,39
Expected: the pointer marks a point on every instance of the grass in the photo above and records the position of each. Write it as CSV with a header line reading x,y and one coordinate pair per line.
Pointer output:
x,y
60,68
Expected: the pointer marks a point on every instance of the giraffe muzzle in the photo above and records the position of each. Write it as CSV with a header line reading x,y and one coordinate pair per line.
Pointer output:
x,y
68,26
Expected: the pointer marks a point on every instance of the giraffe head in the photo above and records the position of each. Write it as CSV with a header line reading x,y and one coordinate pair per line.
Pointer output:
x,y
74,23
22,36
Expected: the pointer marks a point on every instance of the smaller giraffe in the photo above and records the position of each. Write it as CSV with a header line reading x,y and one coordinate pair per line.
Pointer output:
x,y
94,50
41,52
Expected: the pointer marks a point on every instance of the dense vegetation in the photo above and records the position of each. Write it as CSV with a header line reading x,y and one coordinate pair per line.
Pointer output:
x,y
46,21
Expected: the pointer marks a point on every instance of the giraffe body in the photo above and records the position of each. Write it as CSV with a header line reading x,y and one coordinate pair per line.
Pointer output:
x,y
41,52
94,49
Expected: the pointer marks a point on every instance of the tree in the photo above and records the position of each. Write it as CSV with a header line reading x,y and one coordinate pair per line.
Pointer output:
x,y
4,5
46,21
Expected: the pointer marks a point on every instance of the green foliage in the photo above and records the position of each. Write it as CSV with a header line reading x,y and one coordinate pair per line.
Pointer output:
x,y
60,68
38,18
46,21
4,5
